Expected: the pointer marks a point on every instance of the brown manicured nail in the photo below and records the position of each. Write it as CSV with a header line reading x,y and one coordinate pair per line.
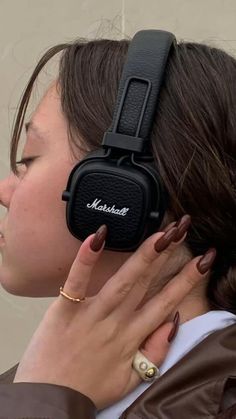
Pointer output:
x,y
182,225
175,327
99,238
169,226
162,243
206,261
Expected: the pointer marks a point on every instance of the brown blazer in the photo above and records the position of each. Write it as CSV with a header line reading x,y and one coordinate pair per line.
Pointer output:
x,y
201,385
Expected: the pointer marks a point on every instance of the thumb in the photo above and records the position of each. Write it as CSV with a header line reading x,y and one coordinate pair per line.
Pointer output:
x,y
157,344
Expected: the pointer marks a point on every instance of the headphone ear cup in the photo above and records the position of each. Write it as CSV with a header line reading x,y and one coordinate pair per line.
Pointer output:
x,y
100,192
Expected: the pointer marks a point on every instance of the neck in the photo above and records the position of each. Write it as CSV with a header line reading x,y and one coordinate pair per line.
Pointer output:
x,y
191,307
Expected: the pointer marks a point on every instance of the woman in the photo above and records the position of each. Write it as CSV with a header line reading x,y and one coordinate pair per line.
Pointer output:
x,y
194,147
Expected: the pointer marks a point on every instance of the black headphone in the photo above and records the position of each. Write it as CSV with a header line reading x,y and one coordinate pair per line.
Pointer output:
x,y
118,184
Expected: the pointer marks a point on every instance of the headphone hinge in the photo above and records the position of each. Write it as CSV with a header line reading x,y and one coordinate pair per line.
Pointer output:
x,y
124,142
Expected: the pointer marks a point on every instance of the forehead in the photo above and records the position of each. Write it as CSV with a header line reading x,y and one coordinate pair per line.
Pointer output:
x,y
47,118
50,104
31,128
47,127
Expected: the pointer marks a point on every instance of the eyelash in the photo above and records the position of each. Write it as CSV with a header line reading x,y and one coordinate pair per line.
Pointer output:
x,y
25,161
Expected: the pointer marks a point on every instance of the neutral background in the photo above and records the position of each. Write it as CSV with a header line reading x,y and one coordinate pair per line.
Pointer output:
x,y
27,28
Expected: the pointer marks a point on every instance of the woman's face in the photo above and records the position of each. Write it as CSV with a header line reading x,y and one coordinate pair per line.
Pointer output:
x,y
38,249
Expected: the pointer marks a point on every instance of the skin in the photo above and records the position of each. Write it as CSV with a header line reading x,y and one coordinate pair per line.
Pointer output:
x,y
104,332
39,254
38,249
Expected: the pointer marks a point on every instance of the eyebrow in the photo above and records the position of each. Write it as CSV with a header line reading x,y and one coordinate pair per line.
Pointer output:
x,y
31,126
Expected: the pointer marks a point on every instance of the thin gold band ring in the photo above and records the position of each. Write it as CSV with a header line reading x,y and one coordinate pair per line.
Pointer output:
x,y
74,300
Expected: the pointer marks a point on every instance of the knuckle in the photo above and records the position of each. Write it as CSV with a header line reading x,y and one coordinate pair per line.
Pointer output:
x,y
165,254
166,301
86,260
147,256
119,289
191,279
123,289
143,280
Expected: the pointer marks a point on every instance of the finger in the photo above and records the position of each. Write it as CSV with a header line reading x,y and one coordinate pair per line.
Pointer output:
x,y
157,344
80,272
143,283
134,278
120,284
130,284
154,312
156,347
169,226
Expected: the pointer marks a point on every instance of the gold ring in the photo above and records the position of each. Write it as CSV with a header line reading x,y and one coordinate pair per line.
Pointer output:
x,y
74,300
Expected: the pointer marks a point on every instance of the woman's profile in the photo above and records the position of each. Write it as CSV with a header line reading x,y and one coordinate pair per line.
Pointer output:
x,y
194,150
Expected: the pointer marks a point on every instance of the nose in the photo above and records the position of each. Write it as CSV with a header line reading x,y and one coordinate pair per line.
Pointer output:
x,y
7,188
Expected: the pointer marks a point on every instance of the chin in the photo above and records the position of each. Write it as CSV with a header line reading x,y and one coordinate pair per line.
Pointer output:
x,y
21,291
16,287
27,285
10,287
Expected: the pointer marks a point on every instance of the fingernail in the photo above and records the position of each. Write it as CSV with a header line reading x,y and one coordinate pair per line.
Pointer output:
x,y
206,261
175,327
162,243
182,225
169,226
99,238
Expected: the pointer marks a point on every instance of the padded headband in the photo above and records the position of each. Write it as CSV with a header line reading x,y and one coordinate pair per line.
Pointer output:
x,y
139,90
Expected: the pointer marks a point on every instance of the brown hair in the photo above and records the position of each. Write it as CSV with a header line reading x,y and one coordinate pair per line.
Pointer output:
x,y
193,137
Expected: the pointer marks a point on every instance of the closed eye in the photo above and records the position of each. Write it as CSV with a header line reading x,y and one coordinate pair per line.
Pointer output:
x,y
25,160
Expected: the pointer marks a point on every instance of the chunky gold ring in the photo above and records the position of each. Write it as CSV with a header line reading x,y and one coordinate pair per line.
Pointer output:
x,y
74,300
146,370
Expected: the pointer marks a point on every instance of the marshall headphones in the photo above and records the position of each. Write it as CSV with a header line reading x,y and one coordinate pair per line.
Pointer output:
x,y
118,184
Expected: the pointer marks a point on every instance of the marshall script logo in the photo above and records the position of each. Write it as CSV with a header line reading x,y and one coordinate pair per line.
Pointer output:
x,y
104,208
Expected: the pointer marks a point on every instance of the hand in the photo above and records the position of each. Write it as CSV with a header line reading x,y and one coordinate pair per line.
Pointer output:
x,y
89,346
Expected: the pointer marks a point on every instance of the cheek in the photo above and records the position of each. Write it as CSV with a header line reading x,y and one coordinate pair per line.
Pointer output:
x,y
37,237
36,211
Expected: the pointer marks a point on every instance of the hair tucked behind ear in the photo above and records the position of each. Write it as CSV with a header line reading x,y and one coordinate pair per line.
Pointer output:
x,y
193,137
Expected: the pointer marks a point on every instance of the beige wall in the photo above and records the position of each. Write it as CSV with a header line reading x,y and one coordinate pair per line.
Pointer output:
x,y
27,28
